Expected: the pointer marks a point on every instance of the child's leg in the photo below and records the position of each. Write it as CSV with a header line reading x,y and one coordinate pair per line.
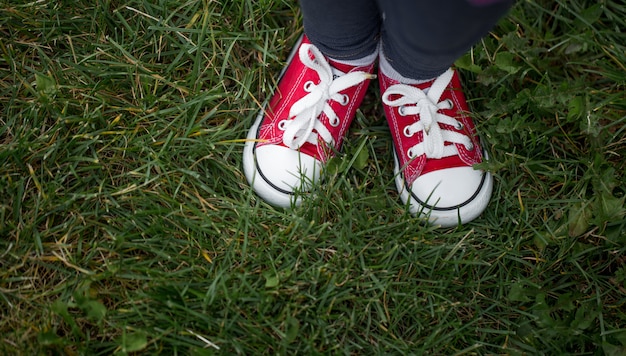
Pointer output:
x,y
422,39
342,29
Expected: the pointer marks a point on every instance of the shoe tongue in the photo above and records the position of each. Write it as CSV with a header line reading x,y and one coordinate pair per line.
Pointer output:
x,y
339,69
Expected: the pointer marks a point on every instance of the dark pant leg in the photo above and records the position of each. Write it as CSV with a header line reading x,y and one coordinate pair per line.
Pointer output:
x,y
342,29
422,39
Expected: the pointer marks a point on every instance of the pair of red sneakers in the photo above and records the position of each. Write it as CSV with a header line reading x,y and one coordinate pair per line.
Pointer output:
x,y
306,119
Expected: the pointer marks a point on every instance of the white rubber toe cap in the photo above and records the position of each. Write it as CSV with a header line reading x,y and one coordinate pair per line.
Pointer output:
x,y
448,196
447,188
278,173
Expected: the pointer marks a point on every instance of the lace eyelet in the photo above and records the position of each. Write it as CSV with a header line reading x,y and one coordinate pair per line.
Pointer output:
x,y
401,111
450,103
471,147
282,125
410,154
345,99
459,126
308,86
334,122
407,131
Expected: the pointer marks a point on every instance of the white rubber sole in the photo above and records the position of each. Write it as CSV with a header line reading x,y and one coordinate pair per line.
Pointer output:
x,y
446,216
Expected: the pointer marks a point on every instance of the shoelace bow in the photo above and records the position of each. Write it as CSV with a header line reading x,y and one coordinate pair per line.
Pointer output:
x,y
303,124
426,103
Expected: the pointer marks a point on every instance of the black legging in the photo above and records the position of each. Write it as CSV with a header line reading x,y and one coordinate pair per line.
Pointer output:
x,y
420,38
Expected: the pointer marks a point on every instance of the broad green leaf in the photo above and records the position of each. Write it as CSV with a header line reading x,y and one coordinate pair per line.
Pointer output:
x,y
579,218
467,64
48,338
541,310
271,279
46,86
292,329
94,310
585,316
504,61
134,342
590,15
575,108
361,159
518,293
611,207
566,302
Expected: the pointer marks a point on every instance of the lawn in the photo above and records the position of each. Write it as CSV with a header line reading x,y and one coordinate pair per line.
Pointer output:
x,y
127,226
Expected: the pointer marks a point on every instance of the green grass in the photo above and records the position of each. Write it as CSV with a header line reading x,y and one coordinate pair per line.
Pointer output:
x,y
126,224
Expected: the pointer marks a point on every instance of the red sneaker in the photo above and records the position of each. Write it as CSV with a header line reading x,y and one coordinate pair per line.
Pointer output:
x,y
435,147
303,124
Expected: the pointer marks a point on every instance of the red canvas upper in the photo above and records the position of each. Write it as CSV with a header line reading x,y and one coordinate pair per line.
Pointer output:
x,y
291,88
414,167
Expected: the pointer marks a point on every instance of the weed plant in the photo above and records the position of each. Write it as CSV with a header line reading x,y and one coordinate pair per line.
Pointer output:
x,y
126,224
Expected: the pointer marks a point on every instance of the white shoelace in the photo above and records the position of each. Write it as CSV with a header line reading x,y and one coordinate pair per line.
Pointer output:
x,y
303,124
426,104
